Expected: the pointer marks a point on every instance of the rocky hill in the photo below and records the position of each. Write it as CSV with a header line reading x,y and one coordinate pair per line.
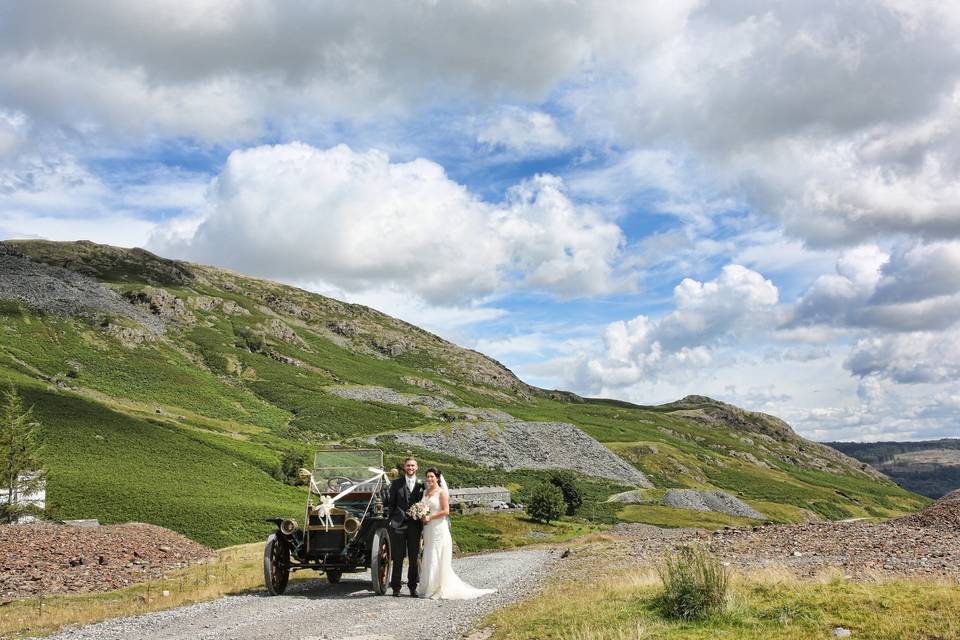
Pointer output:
x,y
183,395
931,467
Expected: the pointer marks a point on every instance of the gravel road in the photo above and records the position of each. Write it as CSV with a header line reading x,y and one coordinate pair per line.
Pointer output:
x,y
316,610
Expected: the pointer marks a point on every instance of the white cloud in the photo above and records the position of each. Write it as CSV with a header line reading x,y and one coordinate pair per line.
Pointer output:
x,y
360,222
839,120
13,126
707,315
521,130
59,198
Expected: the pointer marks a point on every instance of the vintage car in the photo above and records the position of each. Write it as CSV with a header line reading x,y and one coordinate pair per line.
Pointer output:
x,y
344,528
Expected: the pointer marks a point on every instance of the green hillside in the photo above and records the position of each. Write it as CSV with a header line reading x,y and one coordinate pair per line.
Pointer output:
x,y
176,402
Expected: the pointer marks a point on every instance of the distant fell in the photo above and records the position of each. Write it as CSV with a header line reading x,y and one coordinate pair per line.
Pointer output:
x,y
928,467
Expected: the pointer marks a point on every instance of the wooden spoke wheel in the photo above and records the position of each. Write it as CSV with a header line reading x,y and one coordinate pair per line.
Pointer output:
x,y
380,561
276,565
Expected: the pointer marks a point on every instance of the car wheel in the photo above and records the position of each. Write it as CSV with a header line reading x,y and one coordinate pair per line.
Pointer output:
x,y
380,561
276,565
334,575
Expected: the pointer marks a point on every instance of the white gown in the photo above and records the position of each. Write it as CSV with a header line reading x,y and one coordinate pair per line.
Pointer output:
x,y
437,579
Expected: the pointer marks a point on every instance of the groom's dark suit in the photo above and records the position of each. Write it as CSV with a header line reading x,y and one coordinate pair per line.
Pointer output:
x,y
404,531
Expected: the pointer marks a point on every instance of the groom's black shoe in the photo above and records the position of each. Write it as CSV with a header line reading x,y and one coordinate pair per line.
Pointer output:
x,y
413,592
396,592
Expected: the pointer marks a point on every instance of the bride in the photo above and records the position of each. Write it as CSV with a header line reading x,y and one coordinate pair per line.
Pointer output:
x,y
437,579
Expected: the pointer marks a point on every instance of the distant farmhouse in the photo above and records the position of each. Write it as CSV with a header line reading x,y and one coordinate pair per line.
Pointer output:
x,y
33,502
481,495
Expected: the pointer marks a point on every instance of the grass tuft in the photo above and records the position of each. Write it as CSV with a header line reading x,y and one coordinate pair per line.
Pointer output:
x,y
695,585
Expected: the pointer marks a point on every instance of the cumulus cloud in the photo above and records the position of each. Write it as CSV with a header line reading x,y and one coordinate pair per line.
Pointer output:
x,y
910,289
706,316
359,221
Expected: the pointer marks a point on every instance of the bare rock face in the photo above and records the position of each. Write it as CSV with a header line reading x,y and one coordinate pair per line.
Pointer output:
x,y
231,308
385,395
423,383
714,501
164,304
391,347
281,331
634,496
529,445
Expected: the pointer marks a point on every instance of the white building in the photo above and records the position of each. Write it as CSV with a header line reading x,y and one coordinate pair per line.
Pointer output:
x,y
36,499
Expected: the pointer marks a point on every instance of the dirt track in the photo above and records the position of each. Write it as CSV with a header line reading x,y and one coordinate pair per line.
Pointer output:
x,y
348,611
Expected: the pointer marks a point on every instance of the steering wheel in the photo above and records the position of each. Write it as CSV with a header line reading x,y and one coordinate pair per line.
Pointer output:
x,y
339,483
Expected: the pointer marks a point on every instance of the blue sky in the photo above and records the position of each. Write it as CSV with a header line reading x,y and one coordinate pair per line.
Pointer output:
x,y
754,201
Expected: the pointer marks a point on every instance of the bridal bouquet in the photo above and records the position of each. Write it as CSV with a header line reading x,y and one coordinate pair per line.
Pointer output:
x,y
419,510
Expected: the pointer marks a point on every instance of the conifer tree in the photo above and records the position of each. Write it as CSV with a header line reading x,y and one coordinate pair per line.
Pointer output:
x,y
21,470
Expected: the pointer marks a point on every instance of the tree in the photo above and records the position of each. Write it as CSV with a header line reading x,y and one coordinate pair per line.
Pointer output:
x,y
546,503
290,464
21,471
566,481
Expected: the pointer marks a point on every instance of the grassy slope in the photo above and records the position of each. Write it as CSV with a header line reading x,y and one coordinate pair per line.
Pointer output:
x,y
621,605
204,464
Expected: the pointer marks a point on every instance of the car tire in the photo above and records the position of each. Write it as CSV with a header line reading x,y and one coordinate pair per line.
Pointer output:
x,y
334,575
380,558
276,565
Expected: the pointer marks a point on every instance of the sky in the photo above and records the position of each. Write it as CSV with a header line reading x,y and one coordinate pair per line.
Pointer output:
x,y
754,201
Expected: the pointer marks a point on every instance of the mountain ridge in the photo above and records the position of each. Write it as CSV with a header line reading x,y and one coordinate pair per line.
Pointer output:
x,y
240,374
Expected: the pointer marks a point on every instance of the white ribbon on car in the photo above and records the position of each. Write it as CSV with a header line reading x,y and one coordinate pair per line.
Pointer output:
x,y
327,503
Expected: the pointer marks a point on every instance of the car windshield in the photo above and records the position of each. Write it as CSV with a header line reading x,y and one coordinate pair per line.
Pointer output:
x,y
336,469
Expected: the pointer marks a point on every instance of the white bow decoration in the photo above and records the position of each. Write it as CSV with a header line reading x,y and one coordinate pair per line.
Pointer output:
x,y
327,503
323,510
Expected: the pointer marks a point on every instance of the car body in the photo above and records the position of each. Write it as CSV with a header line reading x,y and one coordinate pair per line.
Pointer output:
x,y
344,527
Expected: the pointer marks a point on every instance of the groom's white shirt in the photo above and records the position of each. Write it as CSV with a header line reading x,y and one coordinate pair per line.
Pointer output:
x,y
411,482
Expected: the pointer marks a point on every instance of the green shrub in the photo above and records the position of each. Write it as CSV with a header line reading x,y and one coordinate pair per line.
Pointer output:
x,y
290,464
566,481
249,339
695,584
546,503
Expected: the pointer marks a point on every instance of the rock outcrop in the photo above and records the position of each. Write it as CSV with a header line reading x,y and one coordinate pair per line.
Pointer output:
x,y
529,445
715,501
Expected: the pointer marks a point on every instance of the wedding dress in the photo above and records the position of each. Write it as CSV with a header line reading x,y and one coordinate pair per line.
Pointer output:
x,y
437,579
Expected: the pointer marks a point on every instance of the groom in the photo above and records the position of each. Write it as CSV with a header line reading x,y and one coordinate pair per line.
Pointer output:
x,y
405,532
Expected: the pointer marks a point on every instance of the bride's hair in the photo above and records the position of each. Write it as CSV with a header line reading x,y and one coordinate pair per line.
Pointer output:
x,y
434,471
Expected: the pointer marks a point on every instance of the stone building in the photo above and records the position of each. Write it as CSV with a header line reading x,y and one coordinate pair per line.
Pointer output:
x,y
469,495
